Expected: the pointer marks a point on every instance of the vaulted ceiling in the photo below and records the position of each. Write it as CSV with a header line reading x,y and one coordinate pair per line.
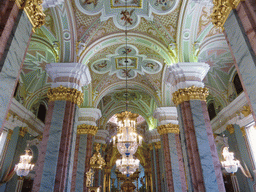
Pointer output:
x,y
160,33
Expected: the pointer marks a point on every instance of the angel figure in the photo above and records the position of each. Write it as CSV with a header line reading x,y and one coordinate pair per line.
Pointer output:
x,y
127,16
151,65
89,177
95,2
101,65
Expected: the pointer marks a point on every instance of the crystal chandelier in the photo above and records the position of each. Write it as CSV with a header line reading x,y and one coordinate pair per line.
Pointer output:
x,y
230,164
127,140
127,165
24,166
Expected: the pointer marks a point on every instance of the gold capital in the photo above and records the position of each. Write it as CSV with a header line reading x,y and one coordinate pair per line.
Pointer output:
x,y
243,131
87,129
221,11
9,135
230,128
150,146
67,94
158,145
34,11
168,128
191,93
23,131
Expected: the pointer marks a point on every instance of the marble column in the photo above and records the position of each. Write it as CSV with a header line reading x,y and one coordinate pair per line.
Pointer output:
x,y
14,40
199,151
168,129
86,130
55,154
243,52
155,149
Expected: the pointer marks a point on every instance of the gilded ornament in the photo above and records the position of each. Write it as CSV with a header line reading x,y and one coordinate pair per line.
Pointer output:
x,y
191,93
34,11
150,146
89,177
97,161
87,129
221,11
230,128
246,110
67,94
23,131
9,135
243,131
168,128
158,145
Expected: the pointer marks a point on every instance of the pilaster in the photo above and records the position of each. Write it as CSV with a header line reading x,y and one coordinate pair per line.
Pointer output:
x,y
168,129
189,95
86,131
55,161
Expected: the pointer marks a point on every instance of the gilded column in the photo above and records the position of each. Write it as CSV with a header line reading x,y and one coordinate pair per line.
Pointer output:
x,y
200,154
169,131
86,131
54,165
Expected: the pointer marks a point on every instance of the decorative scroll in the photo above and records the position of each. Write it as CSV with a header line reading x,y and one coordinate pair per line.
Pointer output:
x,y
221,11
67,94
168,128
34,11
191,93
87,129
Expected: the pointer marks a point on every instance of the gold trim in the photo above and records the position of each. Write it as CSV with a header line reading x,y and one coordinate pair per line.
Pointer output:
x,y
230,128
97,161
168,128
9,135
87,129
243,131
23,131
67,94
191,93
246,110
221,11
34,11
158,145
150,146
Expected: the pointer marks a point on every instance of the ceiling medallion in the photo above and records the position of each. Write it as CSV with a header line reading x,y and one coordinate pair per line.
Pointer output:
x,y
126,66
126,17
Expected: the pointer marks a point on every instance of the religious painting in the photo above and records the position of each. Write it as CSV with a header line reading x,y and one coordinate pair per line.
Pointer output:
x,y
101,66
91,5
126,73
151,66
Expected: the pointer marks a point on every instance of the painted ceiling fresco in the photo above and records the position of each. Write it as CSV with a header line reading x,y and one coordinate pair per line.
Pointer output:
x,y
160,33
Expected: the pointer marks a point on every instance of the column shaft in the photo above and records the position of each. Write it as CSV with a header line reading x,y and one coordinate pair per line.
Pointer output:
x,y
52,165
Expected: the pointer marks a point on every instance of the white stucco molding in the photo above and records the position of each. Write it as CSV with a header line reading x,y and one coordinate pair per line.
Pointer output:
x,y
71,75
230,115
152,136
166,115
88,116
101,136
51,3
184,75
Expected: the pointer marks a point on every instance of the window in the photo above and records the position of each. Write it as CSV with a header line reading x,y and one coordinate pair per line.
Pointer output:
x,y
211,111
41,112
251,135
237,84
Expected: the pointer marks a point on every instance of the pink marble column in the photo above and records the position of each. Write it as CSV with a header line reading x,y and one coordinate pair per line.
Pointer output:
x,y
74,173
158,170
43,148
246,12
65,144
167,161
89,149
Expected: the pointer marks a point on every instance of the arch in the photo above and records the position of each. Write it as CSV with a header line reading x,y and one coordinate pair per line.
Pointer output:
x,y
119,38
118,85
